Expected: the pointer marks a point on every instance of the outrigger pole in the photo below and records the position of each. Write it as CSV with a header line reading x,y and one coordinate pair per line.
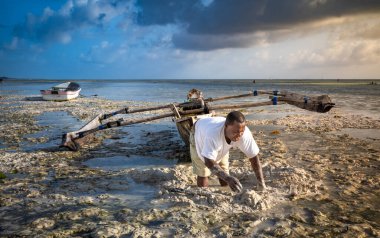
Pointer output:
x,y
196,106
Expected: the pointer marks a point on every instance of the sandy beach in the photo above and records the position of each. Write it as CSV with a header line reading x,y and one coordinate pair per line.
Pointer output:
x,y
322,173
304,73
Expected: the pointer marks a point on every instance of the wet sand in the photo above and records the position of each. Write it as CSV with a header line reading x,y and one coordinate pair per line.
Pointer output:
x,y
321,171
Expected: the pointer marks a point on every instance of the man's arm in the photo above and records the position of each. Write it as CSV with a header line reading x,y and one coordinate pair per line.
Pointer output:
x,y
256,166
215,168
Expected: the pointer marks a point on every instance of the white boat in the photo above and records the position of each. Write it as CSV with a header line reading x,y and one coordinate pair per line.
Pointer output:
x,y
61,92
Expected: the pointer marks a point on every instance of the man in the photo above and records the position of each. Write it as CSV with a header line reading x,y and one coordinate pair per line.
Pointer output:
x,y
210,142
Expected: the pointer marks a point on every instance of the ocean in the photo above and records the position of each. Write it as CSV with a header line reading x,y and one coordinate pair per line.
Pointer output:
x,y
353,96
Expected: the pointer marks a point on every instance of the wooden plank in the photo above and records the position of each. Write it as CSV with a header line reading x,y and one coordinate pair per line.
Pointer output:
x,y
320,104
243,105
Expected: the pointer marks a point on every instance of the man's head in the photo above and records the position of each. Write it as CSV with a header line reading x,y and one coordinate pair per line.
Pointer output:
x,y
234,126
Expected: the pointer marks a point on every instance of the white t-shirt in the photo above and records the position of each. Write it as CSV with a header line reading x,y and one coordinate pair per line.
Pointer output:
x,y
211,143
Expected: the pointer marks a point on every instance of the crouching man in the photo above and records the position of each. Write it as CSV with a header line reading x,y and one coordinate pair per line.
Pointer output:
x,y
210,142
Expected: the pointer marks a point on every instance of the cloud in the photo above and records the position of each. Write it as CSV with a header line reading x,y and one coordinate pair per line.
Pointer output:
x,y
104,53
206,42
53,26
338,53
364,27
200,24
228,23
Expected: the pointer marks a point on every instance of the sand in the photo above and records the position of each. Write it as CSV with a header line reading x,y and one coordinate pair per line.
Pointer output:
x,y
322,182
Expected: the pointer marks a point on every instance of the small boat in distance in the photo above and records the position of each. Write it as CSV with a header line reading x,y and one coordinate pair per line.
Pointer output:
x,y
61,92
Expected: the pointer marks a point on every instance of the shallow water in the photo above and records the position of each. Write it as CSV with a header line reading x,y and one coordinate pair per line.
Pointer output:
x,y
54,125
115,163
139,196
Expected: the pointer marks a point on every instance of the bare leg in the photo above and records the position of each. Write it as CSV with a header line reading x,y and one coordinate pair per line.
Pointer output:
x,y
202,181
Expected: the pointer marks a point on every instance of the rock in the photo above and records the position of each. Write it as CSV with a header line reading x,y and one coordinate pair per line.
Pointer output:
x,y
43,223
155,175
112,229
60,197
282,231
33,193
250,198
86,200
144,232
94,211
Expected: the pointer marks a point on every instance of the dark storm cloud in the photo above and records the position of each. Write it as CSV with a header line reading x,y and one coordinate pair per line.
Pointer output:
x,y
228,18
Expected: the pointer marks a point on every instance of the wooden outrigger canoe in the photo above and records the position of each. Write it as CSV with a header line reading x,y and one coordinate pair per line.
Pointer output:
x,y
186,114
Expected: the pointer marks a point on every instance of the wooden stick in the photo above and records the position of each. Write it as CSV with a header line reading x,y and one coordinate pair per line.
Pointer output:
x,y
228,97
152,108
122,122
230,106
130,122
244,105
270,93
127,110
243,95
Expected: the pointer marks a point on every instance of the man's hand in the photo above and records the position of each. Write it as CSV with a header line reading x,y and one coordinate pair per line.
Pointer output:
x,y
234,184
256,166
215,168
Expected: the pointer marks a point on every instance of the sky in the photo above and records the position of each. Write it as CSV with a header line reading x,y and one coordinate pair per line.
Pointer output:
x,y
190,39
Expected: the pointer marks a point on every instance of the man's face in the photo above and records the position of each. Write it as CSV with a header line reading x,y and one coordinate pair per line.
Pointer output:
x,y
235,131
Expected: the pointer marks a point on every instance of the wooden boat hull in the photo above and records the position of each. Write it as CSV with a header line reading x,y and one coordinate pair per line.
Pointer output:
x,y
185,124
52,95
71,140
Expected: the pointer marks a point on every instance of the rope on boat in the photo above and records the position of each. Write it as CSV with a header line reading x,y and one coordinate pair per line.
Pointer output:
x,y
274,100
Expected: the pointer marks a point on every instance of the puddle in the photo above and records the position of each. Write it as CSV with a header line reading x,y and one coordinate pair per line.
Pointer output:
x,y
54,125
139,146
364,134
119,162
140,134
137,196
2,145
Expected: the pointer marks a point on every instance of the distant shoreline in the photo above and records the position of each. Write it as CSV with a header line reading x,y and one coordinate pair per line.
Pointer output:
x,y
257,81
